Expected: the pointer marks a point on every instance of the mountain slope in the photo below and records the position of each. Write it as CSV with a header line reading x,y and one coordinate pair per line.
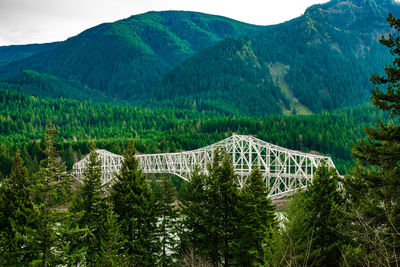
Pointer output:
x,y
45,85
17,52
321,60
126,59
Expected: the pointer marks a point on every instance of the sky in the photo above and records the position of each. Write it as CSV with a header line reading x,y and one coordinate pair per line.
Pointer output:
x,y
42,21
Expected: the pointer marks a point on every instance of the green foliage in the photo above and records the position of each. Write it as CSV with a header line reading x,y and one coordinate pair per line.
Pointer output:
x,y
45,85
136,212
167,222
23,119
17,52
111,242
92,205
373,189
193,210
256,224
51,191
16,212
221,217
311,235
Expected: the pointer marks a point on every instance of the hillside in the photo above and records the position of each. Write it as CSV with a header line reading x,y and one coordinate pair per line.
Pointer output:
x,y
45,85
126,59
319,61
16,52
24,118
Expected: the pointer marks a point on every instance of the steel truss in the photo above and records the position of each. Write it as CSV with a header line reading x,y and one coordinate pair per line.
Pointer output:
x,y
284,170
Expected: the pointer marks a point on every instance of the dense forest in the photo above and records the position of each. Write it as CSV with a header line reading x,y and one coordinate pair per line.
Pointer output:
x,y
23,120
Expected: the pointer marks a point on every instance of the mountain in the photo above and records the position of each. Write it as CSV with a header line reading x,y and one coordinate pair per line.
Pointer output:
x,y
16,52
319,61
127,58
46,85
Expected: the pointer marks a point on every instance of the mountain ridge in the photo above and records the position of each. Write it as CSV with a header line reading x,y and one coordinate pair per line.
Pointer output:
x,y
127,58
319,61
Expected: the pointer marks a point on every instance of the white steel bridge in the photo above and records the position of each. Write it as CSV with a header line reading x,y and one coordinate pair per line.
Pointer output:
x,y
284,170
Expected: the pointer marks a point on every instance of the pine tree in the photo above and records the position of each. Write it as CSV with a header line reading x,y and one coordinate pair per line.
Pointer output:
x,y
16,212
193,214
323,200
93,204
256,223
221,209
374,187
136,212
110,242
311,234
51,192
167,225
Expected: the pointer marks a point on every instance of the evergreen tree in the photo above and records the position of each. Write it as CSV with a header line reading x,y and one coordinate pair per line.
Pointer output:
x,y
193,214
293,239
374,187
167,223
322,202
256,223
311,234
92,204
221,209
16,212
110,242
51,192
136,212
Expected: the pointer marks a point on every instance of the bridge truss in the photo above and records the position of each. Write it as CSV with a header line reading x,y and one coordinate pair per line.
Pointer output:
x,y
284,170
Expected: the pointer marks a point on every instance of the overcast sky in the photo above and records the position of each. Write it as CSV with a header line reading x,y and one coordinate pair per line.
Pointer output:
x,y
40,21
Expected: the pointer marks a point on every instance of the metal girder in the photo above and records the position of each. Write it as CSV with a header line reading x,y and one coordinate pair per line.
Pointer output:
x,y
284,170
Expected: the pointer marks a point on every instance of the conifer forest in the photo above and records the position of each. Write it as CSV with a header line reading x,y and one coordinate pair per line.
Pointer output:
x,y
209,85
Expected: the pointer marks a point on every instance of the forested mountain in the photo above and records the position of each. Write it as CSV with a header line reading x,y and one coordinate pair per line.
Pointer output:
x,y
321,60
17,52
38,84
126,59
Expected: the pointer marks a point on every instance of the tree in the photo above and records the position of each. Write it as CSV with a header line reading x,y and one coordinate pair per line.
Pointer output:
x,y
111,242
373,189
256,223
193,214
311,235
136,212
221,209
51,193
92,204
323,201
16,212
167,224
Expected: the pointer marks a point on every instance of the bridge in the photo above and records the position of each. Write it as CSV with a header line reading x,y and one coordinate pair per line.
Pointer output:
x,y
284,170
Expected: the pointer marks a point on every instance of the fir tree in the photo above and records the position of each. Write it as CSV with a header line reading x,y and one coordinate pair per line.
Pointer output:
x,y
221,209
256,223
136,212
167,222
193,214
51,191
322,202
92,204
374,187
16,213
111,242
311,235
